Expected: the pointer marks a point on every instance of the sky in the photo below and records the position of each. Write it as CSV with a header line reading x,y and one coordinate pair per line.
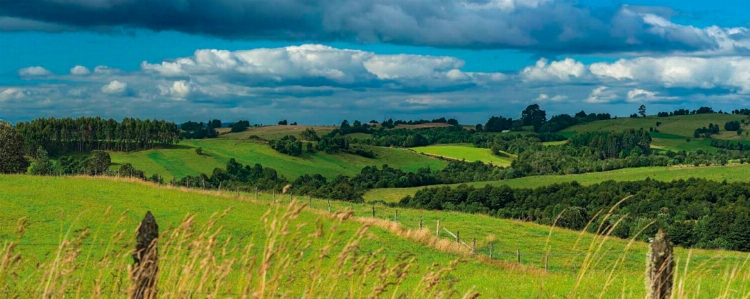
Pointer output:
x,y
322,61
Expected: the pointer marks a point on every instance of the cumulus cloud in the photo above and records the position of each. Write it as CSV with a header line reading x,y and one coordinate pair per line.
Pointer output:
x,y
543,97
563,70
319,65
534,25
179,89
34,71
680,72
115,88
601,95
79,70
638,95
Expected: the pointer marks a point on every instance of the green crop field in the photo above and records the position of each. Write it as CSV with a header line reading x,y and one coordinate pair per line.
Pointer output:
x,y
213,254
181,160
730,173
464,152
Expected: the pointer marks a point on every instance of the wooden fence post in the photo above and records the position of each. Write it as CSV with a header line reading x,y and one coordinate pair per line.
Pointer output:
x,y
145,257
660,269
274,196
518,255
220,187
458,238
256,193
373,211
420,222
437,230
473,245
290,196
309,197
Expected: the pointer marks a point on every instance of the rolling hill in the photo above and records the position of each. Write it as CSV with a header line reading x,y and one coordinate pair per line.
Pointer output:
x,y
99,215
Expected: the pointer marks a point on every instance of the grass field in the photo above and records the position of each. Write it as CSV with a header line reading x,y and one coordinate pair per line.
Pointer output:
x,y
464,152
181,160
731,173
274,132
580,265
673,131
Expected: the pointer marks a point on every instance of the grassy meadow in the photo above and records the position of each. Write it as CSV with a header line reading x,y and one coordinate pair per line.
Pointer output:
x,y
181,160
463,152
730,173
255,247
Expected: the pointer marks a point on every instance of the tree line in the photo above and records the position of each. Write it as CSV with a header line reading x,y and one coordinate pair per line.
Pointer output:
x,y
85,134
695,212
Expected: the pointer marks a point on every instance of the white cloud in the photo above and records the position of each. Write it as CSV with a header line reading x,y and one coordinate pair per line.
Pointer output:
x,y
638,95
105,70
680,71
12,94
601,94
179,89
79,70
34,71
115,88
563,70
543,97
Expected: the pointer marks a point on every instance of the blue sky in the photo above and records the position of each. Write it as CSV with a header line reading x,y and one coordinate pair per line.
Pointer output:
x,y
321,61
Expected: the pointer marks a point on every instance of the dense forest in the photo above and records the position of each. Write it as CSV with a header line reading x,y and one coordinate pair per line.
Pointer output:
x,y
695,212
85,134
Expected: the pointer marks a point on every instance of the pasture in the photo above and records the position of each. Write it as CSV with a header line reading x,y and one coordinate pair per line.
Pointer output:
x,y
225,255
182,160
464,152
730,173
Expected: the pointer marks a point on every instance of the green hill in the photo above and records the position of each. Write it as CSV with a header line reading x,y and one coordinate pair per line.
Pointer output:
x,y
673,131
182,160
730,173
212,254
464,152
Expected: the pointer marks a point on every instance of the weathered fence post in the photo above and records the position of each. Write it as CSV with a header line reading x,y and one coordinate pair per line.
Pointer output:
x,y
290,196
373,211
309,197
518,255
473,245
145,257
660,269
437,230
492,248
458,238
220,186
420,222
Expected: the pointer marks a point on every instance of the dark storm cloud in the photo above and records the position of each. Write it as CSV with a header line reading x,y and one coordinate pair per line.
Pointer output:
x,y
534,25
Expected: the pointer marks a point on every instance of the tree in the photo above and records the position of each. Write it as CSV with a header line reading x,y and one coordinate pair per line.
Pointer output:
x,y
240,126
534,116
283,122
642,110
98,162
41,165
309,134
12,158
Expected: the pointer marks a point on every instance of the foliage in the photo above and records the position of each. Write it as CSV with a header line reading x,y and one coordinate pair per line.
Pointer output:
x,y
732,126
309,134
287,145
700,213
194,130
41,164
98,162
240,126
84,134
12,157
533,116
614,144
